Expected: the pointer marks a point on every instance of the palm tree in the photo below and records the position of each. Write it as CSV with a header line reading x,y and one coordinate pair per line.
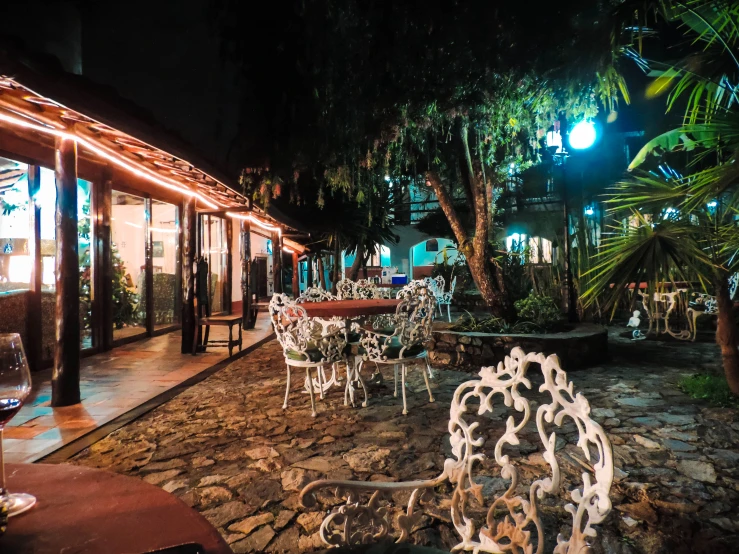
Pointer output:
x,y
686,224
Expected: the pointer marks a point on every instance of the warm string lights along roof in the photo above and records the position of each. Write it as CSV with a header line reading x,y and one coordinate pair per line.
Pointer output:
x,y
22,107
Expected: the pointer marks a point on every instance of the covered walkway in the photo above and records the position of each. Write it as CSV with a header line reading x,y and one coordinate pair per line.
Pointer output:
x,y
116,387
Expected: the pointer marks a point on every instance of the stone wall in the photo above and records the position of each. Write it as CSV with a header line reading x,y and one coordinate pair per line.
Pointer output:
x,y
585,346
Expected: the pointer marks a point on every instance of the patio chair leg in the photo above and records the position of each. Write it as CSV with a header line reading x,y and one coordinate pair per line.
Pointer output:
x,y
310,391
319,374
347,387
395,371
428,387
361,382
287,389
428,368
402,377
230,341
449,312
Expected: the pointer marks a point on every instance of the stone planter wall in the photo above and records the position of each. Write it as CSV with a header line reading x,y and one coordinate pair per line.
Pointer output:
x,y
585,346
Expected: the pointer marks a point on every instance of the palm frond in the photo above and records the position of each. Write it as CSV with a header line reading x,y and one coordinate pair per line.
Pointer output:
x,y
667,252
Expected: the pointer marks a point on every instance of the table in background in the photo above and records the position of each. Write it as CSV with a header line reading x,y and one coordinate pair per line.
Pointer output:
x,y
91,511
350,310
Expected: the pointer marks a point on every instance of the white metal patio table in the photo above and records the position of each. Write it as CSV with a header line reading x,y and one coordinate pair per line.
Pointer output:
x,y
351,310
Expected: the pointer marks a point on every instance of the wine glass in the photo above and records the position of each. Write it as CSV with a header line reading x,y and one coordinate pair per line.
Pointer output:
x,y
15,386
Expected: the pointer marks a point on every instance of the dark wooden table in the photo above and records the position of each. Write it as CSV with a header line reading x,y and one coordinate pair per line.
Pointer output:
x,y
91,511
350,308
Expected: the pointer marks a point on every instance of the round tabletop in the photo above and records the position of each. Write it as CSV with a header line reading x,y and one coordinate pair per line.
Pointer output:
x,y
351,308
90,511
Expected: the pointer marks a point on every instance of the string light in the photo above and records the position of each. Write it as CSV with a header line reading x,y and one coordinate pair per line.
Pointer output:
x,y
256,221
103,154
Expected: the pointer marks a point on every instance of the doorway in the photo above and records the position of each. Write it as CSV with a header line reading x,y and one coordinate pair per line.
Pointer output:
x,y
259,278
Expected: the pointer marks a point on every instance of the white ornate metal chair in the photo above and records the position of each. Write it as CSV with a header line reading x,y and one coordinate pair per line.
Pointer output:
x,y
734,286
702,304
492,524
345,289
444,298
306,343
401,339
315,294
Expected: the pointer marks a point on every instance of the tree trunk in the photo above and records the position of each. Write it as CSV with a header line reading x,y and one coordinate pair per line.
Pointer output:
x,y
321,273
474,251
727,335
354,271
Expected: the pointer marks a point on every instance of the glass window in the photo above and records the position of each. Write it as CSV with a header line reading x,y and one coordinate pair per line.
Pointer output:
x,y
128,254
84,240
214,249
164,237
15,259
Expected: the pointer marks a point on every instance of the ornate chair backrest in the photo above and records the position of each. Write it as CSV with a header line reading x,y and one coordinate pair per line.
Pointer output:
x,y
315,294
364,289
412,289
346,289
436,284
734,286
707,300
298,333
510,521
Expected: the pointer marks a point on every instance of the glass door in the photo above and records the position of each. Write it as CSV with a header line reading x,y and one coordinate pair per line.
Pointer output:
x,y
128,254
164,252
214,249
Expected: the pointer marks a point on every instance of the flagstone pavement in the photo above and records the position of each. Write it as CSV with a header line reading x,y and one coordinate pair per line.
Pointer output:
x,y
112,383
226,448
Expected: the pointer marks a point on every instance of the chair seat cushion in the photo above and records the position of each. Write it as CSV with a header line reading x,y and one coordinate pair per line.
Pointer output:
x,y
697,307
393,350
353,337
314,355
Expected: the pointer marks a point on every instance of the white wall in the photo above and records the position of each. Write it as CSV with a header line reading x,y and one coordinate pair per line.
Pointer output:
x,y
421,257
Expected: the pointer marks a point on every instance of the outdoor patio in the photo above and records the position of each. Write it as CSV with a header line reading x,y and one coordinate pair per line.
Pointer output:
x,y
114,384
226,448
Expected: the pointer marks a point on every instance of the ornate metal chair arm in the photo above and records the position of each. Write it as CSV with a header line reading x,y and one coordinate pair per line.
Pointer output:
x,y
355,523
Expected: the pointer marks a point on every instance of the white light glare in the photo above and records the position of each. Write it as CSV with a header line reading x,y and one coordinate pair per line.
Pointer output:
x,y
582,135
712,204
589,210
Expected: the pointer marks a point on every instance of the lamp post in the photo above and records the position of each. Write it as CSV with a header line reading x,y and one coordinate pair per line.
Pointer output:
x,y
581,137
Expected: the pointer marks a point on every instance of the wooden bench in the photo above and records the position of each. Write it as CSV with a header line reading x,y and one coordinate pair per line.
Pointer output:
x,y
224,321
362,511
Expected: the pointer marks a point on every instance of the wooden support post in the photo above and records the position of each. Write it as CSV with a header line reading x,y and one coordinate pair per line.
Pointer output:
x,y
149,273
310,271
246,320
178,265
189,244
104,250
228,277
277,262
296,281
65,380
34,342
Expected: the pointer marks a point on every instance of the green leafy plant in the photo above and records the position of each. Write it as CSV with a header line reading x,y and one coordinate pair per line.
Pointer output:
x,y
540,311
125,302
712,388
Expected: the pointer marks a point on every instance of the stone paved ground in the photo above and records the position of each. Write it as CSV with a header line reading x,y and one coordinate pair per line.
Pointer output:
x,y
226,448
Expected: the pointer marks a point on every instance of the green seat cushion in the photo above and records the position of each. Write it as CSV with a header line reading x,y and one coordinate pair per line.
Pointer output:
x,y
393,350
353,337
314,355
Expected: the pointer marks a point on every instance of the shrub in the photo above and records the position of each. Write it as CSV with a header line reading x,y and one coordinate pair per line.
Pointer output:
x,y
712,388
541,311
